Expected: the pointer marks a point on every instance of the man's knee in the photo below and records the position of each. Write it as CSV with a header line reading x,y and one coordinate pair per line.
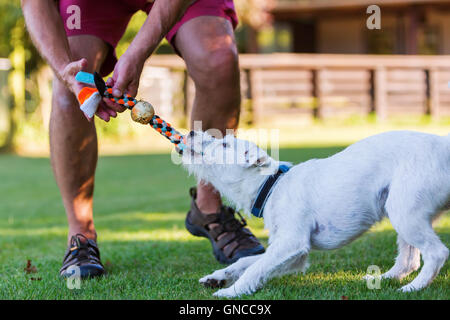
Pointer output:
x,y
94,50
218,67
62,97
65,107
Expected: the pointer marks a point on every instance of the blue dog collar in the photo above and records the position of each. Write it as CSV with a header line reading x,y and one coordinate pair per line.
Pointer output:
x,y
265,190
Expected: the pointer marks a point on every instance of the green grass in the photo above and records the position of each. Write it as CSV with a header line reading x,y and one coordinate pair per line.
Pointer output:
x,y
140,205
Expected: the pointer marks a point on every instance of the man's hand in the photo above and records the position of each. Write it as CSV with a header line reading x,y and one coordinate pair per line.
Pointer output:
x,y
47,32
106,108
68,75
127,73
161,19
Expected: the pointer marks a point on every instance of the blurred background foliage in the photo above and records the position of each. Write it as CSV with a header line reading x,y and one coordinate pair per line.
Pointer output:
x,y
25,80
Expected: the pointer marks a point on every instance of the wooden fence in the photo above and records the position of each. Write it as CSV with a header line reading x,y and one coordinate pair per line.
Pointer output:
x,y
324,85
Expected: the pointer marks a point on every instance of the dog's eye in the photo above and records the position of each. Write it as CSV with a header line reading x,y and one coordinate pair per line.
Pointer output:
x,y
225,145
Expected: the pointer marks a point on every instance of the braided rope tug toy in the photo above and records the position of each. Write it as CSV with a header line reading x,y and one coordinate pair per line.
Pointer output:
x,y
141,111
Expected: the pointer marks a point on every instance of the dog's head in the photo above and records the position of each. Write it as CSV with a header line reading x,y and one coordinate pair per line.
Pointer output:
x,y
229,159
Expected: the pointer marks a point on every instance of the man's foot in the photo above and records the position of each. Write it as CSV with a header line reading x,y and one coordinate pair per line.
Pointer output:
x,y
83,253
229,239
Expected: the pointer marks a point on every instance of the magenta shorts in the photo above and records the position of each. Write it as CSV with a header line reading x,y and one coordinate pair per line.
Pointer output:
x,y
108,19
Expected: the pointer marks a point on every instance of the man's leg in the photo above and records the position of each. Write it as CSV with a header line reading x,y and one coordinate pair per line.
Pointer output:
x,y
73,142
208,47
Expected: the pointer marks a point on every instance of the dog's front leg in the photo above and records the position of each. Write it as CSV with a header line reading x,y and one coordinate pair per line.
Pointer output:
x,y
274,262
227,276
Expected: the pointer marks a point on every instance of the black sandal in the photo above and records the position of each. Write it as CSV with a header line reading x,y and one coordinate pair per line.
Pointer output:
x,y
83,253
229,239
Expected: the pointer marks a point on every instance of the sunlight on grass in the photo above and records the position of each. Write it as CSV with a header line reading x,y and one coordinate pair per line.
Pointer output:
x,y
170,232
165,234
173,228
147,235
55,231
144,216
337,276
146,249
381,226
443,222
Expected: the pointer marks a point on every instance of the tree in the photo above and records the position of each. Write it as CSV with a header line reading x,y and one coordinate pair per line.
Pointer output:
x,y
254,15
16,45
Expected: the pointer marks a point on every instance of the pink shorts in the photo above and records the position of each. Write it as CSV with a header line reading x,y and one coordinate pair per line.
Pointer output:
x,y
108,19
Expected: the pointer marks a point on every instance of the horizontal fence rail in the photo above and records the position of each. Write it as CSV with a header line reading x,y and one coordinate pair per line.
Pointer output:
x,y
325,85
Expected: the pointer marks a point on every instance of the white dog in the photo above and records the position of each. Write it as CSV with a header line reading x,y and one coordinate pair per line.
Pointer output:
x,y
327,203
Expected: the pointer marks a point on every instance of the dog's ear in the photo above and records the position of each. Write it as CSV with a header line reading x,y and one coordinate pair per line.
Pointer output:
x,y
256,157
262,161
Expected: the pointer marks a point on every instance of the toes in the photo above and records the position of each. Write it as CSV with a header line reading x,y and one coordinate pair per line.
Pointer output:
x,y
225,293
395,276
407,288
214,283
368,277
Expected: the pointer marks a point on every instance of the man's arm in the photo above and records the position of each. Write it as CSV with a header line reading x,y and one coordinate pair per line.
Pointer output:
x,y
46,29
47,32
161,19
163,16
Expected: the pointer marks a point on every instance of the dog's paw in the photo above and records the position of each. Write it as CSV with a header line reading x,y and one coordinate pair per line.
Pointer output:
x,y
226,293
408,288
368,277
390,275
210,281
213,283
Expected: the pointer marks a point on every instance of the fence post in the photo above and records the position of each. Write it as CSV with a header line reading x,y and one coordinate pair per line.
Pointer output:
x,y
433,87
380,93
317,93
246,97
256,91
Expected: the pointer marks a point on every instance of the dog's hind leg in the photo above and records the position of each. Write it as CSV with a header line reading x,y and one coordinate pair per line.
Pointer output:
x,y
227,276
413,224
434,255
407,261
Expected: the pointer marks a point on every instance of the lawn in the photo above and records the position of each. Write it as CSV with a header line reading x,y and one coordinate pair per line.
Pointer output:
x,y
140,205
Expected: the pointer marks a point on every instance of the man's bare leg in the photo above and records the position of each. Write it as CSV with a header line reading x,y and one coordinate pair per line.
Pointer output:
x,y
73,142
208,47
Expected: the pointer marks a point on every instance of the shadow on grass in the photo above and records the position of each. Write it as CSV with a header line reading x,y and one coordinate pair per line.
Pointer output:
x,y
170,269
140,205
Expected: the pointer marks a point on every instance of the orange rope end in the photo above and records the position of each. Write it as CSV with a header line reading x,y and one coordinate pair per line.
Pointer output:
x,y
85,93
